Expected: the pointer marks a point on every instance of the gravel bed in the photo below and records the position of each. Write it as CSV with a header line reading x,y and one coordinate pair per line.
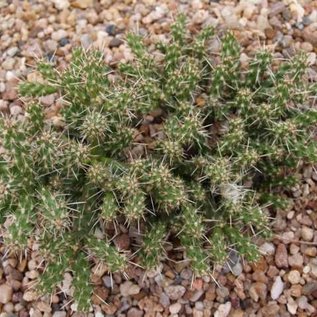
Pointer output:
x,y
284,281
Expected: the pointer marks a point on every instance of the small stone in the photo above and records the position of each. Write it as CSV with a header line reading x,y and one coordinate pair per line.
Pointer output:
x,y
111,29
258,290
86,41
59,314
197,313
164,300
44,307
271,309
196,295
237,269
307,47
277,288
8,63
100,295
12,51
154,15
309,288
296,290
82,4
175,292
8,307
61,4
223,310
64,41
175,308
122,241
11,93
50,46
186,274
307,233
32,274
128,288
15,110
292,306
58,35
29,296
115,42
294,277
200,16
3,3
5,293
134,312
270,33
303,304
281,256
267,248
296,261
47,100
277,8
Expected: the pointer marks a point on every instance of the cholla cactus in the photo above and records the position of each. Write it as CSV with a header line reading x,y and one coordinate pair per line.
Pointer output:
x,y
229,140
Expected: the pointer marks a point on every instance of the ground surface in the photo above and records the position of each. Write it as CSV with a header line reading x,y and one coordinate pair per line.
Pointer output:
x,y
284,281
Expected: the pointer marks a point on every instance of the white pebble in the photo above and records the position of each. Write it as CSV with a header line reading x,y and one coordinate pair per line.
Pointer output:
x,y
223,310
128,288
267,248
294,277
175,308
58,35
277,288
307,233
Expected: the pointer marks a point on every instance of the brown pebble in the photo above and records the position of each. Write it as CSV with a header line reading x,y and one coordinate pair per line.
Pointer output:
x,y
115,42
281,260
270,33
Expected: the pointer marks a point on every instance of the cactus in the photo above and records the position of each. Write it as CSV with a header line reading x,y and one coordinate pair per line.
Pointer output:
x,y
230,139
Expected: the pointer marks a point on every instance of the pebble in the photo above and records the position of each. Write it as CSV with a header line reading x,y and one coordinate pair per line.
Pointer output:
x,y
82,4
134,312
86,41
61,4
237,269
175,292
296,261
111,29
47,100
223,310
158,13
59,314
277,288
200,16
267,248
164,300
50,46
281,260
29,296
292,306
9,63
58,35
175,308
307,233
294,277
44,307
303,304
12,51
115,42
5,293
258,291
128,288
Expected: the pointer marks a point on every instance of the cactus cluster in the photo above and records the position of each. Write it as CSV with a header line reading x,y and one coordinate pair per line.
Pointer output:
x,y
228,140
